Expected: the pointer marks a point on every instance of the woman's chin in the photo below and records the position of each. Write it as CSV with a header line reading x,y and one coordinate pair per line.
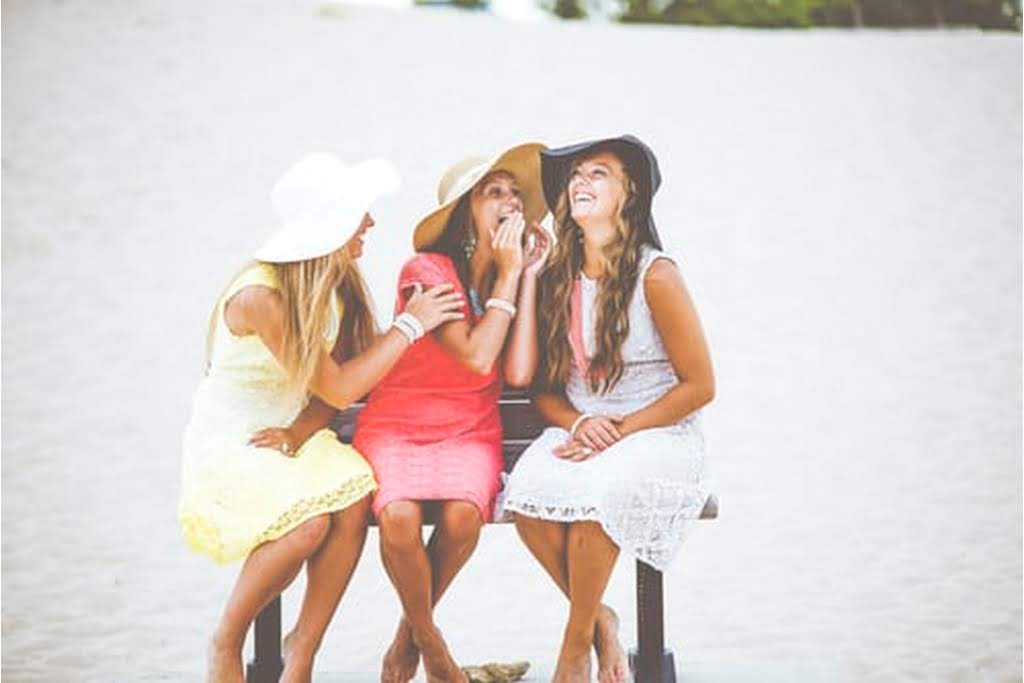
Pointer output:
x,y
582,215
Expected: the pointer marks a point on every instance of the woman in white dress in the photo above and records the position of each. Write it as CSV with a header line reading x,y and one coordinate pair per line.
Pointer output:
x,y
624,373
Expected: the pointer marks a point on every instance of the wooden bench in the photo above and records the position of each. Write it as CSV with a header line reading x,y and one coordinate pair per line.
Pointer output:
x,y
650,661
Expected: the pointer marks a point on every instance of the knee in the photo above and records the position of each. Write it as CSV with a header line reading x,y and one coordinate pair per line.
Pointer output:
x,y
461,521
401,526
311,533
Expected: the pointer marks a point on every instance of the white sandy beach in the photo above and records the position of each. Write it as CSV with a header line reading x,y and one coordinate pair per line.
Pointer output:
x,y
846,207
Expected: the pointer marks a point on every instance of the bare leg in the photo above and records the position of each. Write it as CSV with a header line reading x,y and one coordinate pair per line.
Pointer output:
x,y
454,538
546,540
591,557
408,565
328,572
265,573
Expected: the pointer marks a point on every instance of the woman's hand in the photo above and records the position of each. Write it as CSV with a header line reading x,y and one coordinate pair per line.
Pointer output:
x,y
592,436
281,439
599,431
538,246
507,245
574,451
435,306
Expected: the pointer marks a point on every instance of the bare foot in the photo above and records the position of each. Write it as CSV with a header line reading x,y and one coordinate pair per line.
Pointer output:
x,y
612,663
402,658
224,663
573,667
298,665
437,660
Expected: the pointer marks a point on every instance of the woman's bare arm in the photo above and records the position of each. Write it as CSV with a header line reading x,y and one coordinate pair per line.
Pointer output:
x,y
260,310
679,326
477,347
520,362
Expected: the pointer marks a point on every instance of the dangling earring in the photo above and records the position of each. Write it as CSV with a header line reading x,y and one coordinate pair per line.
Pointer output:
x,y
469,246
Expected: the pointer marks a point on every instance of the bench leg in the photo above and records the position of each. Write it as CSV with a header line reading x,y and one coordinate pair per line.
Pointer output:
x,y
266,665
650,661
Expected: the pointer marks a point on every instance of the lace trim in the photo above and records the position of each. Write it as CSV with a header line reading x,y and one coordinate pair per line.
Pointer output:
x,y
204,536
655,544
339,499
555,513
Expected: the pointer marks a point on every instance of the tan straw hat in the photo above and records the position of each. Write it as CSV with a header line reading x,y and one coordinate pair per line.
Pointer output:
x,y
320,202
521,161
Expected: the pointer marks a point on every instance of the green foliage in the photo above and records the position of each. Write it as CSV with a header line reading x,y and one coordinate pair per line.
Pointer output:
x,y
769,13
992,14
568,9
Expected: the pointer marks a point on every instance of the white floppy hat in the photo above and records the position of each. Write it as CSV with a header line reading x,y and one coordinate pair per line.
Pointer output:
x,y
522,161
320,202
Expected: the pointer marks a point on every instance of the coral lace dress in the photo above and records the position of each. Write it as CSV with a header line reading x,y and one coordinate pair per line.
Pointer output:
x,y
431,429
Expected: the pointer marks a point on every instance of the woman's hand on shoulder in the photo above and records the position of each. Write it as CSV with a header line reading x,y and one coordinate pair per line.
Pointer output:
x,y
435,306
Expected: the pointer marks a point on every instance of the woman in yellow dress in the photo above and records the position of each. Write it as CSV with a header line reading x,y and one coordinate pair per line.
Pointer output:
x,y
291,339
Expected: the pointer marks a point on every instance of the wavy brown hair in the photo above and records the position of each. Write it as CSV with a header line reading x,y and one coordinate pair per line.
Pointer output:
x,y
306,292
459,228
615,291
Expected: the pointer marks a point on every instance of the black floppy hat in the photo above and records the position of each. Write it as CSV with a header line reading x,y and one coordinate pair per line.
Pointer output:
x,y
638,158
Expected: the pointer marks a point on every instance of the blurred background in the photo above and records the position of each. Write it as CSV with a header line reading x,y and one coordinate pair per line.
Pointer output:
x,y
844,200
988,14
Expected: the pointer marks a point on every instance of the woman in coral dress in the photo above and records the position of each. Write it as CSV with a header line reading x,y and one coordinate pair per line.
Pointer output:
x,y
431,429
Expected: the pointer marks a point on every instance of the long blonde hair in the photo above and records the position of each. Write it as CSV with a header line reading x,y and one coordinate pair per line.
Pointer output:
x,y
306,288
616,288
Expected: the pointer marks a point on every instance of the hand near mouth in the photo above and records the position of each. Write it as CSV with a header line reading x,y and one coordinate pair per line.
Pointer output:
x,y
507,243
537,247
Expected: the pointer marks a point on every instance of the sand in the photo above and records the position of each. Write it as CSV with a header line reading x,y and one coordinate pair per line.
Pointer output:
x,y
847,210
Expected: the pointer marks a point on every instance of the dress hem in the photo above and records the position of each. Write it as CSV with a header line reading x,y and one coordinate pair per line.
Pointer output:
x,y
204,537
567,515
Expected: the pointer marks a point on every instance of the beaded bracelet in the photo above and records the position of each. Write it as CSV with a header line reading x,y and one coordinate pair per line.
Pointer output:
x,y
403,327
414,323
409,325
501,305
579,420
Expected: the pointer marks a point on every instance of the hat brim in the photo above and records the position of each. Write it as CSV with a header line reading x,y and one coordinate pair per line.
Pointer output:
x,y
332,227
640,161
522,162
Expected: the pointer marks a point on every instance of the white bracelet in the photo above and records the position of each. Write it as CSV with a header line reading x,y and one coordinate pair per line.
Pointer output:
x,y
501,305
404,328
413,322
580,419
410,326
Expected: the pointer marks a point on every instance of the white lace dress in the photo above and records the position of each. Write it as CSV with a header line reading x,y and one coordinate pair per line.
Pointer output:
x,y
646,489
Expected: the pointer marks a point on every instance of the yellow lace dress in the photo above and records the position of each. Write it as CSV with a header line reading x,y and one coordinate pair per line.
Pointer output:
x,y
235,496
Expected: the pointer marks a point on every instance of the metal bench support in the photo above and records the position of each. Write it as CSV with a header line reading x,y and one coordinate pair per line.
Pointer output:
x,y
266,665
650,661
